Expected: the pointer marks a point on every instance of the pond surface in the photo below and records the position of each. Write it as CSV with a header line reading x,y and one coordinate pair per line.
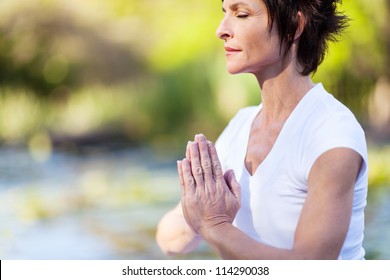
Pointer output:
x,y
106,205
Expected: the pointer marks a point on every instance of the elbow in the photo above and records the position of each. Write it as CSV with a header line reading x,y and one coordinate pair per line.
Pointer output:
x,y
165,245
170,242
174,236
167,251
175,244
173,247
163,242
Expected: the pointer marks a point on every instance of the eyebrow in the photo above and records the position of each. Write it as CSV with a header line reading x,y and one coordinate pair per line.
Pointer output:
x,y
234,6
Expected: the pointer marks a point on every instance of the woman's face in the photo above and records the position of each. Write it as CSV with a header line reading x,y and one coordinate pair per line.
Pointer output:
x,y
250,47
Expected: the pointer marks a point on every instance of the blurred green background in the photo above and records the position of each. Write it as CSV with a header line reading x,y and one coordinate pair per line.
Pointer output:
x,y
98,99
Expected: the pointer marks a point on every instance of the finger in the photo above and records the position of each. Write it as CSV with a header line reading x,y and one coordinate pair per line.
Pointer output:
x,y
215,163
188,150
199,136
182,188
189,182
205,159
183,193
185,212
233,184
196,167
181,178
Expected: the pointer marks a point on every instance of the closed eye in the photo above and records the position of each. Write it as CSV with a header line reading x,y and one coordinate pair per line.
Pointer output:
x,y
242,15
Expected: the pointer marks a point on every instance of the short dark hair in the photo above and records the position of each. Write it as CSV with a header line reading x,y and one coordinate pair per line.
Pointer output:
x,y
323,23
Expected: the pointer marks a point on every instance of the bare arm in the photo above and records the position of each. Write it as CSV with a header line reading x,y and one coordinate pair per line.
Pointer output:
x,y
174,236
322,226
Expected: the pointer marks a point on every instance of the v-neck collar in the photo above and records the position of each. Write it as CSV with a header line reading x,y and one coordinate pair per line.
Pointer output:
x,y
286,130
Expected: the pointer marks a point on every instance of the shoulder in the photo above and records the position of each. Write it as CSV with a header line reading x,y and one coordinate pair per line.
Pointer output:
x,y
332,121
331,125
321,114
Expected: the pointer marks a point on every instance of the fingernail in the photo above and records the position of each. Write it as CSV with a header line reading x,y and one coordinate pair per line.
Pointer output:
x,y
200,136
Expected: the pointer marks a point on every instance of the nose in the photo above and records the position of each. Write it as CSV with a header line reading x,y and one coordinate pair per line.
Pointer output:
x,y
224,31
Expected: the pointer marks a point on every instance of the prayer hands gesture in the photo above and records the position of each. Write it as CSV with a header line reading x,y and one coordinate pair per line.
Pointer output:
x,y
209,198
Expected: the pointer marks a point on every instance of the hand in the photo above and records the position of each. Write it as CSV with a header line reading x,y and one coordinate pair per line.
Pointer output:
x,y
209,198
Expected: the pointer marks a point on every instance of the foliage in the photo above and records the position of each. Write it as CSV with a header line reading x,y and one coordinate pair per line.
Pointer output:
x,y
379,167
354,64
149,71
152,70
46,45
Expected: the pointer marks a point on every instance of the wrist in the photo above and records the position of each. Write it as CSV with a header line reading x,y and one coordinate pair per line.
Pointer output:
x,y
213,233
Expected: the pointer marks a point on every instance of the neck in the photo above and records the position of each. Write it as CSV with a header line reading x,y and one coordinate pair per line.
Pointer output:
x,y
281,92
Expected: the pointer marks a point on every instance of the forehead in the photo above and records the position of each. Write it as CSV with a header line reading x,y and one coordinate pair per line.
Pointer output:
x,y
242,2
237,4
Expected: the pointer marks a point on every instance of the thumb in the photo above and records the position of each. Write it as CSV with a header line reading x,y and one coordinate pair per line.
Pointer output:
x,y
233,185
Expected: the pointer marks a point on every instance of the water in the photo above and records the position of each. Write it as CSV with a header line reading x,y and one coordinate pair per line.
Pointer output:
x,y
95,205
377,234
106,205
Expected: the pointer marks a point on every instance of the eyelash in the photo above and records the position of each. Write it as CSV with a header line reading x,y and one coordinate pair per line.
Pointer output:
x,y
242,15
238,15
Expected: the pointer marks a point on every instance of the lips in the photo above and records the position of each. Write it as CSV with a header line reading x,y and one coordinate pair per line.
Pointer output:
x,y
231,51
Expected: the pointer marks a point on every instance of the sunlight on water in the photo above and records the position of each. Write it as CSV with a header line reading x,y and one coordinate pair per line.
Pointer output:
x,y
105,205
377,234
89,206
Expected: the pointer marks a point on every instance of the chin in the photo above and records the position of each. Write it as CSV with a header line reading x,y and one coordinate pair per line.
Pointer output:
x,y
234,70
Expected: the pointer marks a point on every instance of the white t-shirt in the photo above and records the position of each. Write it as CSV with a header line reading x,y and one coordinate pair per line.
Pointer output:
x,y
273,197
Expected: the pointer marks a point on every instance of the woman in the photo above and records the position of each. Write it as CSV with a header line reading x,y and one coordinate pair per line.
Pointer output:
x,y
287,179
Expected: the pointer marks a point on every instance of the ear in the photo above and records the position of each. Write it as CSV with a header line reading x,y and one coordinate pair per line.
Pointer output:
x,y
301,25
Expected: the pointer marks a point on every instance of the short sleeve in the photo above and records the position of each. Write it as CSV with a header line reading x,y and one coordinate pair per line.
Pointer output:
x,y
336,131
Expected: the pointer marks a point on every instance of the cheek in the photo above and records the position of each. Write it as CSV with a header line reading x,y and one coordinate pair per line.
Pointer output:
x,y
262,45
256,39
